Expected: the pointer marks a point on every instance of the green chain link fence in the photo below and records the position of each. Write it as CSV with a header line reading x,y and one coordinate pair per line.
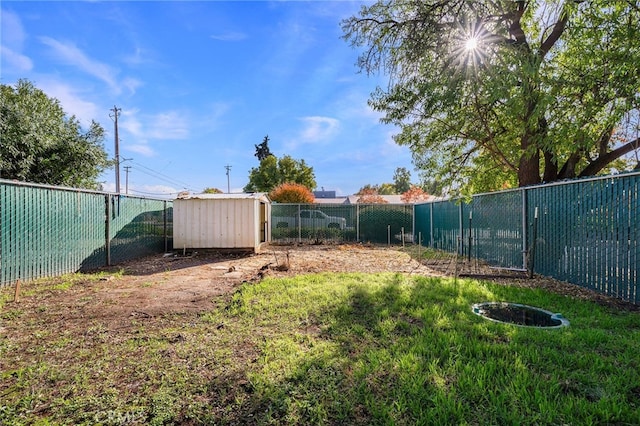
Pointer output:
x,y
583,231
49,231
316,223
488,228
587,233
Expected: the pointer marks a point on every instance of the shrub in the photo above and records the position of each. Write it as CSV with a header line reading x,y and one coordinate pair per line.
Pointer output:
x,y
292,193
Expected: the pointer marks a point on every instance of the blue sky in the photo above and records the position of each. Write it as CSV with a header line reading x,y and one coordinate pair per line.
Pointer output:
x,y
200,83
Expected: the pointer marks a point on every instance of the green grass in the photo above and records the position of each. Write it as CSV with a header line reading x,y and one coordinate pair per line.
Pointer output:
x,y
332,349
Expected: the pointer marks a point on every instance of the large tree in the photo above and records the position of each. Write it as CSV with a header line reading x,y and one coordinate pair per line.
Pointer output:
x,y
490,94
40,143
402,180
273,172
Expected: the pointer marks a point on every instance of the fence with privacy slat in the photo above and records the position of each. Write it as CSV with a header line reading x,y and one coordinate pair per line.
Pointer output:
x,y
314,223
49,231
587,234
584,231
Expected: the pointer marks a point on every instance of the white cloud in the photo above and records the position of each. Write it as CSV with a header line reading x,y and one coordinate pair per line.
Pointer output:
x,y
71,101
166,125
138,57
318,128
13,34
13,37
129,122
72,55
212,116
230,36
354,105
141,148
15,60
389,146
131,84
162,191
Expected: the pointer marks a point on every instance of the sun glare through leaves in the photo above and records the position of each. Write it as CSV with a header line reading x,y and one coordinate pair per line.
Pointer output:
x,y
468,51
471,43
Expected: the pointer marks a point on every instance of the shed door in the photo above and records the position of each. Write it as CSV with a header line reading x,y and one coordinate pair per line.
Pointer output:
x,y
263,222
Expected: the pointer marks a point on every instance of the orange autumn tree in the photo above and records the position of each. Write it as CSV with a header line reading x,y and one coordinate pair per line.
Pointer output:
x,y
291,193
415,194
370,195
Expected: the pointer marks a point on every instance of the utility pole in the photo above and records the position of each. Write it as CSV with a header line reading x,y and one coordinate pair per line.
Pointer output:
x,y
126,170
228,167
114,117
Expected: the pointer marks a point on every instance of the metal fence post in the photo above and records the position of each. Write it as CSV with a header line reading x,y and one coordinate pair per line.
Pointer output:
x,y
431,225
107,230
413,223
166,237
532,251
525,248
299,225
460,232
470,236
358,222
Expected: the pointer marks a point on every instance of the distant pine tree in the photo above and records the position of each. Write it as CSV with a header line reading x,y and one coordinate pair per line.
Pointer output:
x,y
262,150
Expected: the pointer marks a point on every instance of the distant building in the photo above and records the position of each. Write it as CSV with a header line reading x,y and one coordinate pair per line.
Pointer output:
x,y
324,194
329,197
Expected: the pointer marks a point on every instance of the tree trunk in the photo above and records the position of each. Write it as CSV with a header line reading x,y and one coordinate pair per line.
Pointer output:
x,y
568,171
550,168
529,169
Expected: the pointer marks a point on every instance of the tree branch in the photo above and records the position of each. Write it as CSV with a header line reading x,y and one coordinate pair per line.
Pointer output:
x,y
603,160
515,29
557,31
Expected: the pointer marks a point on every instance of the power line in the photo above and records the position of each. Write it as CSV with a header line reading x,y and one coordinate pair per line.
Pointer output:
x,y
163,175
169,181
160,176
153,193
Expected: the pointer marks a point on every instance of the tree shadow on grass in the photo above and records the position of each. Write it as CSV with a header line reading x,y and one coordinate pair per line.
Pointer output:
x,y
347,371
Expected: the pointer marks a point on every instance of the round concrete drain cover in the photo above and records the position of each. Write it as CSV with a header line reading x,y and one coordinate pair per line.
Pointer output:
x,y
522,315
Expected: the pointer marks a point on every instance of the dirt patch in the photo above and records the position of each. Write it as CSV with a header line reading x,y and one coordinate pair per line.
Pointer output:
x,y
450,265
174,284
160,285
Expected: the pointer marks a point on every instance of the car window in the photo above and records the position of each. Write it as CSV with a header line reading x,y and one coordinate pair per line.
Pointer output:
x,y
304,214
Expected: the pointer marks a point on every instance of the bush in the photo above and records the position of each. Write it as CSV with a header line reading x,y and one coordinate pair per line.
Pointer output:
x,y
291,193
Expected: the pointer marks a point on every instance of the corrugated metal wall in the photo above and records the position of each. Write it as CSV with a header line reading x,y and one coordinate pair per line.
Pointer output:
x,y
586,231
48,231
220,223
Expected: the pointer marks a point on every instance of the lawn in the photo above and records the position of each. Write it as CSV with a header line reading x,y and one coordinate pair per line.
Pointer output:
x,y
326,348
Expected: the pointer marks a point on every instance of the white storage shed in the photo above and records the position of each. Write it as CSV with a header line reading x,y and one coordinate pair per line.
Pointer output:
x,y
221,221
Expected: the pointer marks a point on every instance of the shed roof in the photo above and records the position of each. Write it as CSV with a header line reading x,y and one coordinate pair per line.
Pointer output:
x,y
237,196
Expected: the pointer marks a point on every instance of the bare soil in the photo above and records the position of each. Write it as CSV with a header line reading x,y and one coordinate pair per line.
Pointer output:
x,y
160,285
